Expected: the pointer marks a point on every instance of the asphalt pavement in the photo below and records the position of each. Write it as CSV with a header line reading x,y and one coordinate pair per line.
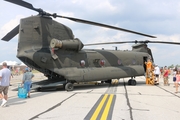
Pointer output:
x,y
88,101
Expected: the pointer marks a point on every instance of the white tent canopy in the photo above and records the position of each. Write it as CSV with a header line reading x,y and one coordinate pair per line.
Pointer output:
x,y
13,63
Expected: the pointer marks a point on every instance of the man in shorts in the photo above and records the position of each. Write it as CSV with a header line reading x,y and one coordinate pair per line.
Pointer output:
x,y
5,77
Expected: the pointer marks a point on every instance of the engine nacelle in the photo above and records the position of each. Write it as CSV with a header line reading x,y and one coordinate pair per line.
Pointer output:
x,y
74,44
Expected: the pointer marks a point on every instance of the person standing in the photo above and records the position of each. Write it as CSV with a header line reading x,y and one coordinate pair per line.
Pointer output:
x,y
157,72
174,77
27,80
177,81
161,70
148,67
165,76
5,77
10,68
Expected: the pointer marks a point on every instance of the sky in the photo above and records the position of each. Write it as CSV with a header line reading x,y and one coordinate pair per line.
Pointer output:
x,y
159,18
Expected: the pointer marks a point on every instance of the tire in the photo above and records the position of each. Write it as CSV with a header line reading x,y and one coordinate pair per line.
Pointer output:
x,y
133,82
69,87
129,81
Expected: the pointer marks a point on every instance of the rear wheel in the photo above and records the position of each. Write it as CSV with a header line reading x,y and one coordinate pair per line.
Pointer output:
x,y
129,81
132,82
108,81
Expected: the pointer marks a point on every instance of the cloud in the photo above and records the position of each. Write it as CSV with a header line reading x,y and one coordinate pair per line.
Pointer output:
x,y
9,48
159,18
10,25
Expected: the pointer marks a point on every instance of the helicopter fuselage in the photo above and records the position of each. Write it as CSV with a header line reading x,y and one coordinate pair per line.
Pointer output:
x,y
76,64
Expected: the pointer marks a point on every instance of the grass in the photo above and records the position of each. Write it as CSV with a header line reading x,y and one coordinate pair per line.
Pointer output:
x,y
35,71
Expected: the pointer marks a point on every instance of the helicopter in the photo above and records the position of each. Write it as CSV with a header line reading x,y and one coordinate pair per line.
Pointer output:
x,y
50,47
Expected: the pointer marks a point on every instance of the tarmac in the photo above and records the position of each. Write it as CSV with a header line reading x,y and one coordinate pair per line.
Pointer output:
x,y
88,101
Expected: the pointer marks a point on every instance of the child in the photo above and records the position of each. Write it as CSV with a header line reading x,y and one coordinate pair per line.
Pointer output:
x,y
177,80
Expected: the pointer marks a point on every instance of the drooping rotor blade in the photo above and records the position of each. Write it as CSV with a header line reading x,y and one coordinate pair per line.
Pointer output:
x,y
104,25
24,4
136,41
11,34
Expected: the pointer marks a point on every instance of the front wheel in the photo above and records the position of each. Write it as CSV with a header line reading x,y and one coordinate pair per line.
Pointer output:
x,y
69,87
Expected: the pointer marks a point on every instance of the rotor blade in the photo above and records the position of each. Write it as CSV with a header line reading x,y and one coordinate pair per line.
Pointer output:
x,y
30,6
136,41
11,34
104,25
24,4
110,43
163,42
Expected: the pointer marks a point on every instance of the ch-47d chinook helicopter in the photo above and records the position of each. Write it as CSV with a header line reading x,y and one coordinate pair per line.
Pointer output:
x,y
50,47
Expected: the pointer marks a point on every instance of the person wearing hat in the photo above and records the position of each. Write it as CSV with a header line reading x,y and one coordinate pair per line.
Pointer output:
x,y
27,80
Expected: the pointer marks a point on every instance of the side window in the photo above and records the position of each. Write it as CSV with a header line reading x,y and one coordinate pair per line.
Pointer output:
x,y
133,61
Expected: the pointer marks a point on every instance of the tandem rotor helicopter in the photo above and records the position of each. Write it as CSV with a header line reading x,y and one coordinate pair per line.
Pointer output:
x,y
50,47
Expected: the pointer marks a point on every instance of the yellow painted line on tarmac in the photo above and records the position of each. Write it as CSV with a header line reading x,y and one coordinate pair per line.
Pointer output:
x,y
103,108
106,110
102,111
96,113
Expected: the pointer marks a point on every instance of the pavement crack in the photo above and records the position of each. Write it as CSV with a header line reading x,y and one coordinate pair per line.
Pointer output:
x,y
128,102
89,91
168,91
53,107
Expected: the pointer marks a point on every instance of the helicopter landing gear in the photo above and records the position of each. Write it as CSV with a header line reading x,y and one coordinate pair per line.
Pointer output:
x,y
102,82
132,82
69,86
108,81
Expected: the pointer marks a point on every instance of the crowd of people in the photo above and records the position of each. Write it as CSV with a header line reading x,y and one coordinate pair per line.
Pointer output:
x,y
176,79
5,77
165,73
